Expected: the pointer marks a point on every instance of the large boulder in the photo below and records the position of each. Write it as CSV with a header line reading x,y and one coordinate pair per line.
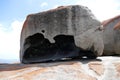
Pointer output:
x,y
64,32
111,36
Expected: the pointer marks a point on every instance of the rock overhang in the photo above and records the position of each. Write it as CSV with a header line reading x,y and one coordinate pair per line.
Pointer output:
x,y
75,21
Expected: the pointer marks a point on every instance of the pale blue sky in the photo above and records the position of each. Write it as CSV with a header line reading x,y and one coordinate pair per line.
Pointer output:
x,y
11,10
14,12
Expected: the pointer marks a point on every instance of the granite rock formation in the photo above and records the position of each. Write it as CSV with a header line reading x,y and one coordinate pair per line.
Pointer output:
x,y
106,69
111,36
64,32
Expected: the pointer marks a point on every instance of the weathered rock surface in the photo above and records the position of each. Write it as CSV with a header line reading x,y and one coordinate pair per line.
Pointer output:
x,y
103,68
111,36
65,32
117,66
97,67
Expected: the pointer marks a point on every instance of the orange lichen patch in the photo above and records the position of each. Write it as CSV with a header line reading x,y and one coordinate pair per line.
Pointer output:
x,y
52,10
11,67
26,21
106,22
117,66
7,74
85,77
55,71
77,71
97,67
11,70
72,67
31,74
117,26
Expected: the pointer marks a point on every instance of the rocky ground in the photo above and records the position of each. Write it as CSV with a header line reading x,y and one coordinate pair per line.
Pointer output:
x,y
103,68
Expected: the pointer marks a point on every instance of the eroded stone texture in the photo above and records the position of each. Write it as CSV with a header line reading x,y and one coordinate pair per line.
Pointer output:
x,y
117,66
64,70
111,36
47,71
97,67
64,32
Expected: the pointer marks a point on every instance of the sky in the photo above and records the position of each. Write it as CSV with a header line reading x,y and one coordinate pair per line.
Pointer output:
x,y
13,14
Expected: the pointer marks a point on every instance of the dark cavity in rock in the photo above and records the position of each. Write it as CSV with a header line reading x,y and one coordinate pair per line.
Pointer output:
x,y
41,49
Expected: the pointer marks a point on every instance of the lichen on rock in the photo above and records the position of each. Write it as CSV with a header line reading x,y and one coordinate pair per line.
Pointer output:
x,y
111,36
